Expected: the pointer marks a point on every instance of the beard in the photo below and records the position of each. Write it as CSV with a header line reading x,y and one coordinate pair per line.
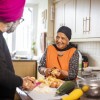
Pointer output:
x,y
12,28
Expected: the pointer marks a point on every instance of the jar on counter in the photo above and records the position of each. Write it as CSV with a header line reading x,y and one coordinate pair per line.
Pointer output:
x,y
85,62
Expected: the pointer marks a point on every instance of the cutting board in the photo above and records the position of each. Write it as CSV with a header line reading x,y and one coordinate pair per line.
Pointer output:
x,y
43,93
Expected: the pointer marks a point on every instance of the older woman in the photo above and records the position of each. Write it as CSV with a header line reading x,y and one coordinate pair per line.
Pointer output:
x,y
60,59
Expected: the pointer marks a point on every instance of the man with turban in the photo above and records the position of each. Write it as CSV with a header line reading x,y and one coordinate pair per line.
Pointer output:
x,y
11,12
60,59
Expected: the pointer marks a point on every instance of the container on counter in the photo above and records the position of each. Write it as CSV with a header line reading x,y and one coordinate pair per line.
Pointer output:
x,y
85,62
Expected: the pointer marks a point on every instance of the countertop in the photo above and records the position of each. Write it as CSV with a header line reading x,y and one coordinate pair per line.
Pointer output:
x,y
25,96
35,58
17,60
91,74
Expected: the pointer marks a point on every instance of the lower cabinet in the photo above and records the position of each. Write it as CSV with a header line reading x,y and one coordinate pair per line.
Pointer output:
x,y
25,67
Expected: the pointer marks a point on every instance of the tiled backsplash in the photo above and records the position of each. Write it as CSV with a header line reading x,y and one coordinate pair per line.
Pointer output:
x,y
92,51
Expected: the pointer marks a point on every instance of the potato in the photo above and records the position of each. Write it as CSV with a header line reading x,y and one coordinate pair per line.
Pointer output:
x,y
53,85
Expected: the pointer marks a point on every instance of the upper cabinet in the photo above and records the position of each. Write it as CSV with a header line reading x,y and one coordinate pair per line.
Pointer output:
x,y
69,14
95,18
82,24
87,19
82,16
59,15
65,14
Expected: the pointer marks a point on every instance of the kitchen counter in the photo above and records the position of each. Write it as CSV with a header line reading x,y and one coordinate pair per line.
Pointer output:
x,y
24,60
91,74
25,96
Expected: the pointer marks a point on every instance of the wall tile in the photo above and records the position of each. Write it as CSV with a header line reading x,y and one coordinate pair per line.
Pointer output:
x,y
92,50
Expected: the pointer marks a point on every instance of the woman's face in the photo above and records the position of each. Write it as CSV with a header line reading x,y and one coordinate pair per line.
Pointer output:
x,y
61,40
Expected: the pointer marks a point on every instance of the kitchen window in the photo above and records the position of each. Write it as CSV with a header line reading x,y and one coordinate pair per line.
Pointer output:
x,y
22,38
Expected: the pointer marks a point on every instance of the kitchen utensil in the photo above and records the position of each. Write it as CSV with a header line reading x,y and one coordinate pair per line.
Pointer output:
x,y
94,86
81,78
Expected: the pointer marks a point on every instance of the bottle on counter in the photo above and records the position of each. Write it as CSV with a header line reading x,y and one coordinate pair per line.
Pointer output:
x,y
85,62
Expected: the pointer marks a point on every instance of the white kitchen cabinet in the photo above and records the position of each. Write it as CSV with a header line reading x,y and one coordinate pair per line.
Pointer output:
x,y
65,14
87,19
69,14
59,15
82,18
95,18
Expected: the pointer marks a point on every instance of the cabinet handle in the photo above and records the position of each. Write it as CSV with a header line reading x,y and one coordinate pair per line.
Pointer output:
x,y
84,25
88,24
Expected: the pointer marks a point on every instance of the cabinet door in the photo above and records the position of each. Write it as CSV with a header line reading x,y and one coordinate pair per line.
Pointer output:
x,y
59,15
95,18
25,68
82,14
69,14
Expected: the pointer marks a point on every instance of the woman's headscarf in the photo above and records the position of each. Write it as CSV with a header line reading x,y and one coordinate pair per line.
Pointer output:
x,y
11,10
66,30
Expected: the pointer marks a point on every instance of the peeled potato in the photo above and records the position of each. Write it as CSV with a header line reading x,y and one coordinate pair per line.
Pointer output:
x,y
54,72
53,85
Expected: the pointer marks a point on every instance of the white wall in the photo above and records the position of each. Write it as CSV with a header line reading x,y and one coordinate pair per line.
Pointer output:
x,y
41,7
44,5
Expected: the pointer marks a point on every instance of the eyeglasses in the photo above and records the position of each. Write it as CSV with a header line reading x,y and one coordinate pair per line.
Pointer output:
x,y
21,20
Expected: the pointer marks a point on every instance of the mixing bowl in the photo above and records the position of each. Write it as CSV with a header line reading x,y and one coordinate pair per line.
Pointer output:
x,y
94,86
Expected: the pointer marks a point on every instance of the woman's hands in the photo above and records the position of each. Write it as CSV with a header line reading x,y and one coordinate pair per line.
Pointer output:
x,y
55,72
58,73
63,74
28,83
48,72
52,72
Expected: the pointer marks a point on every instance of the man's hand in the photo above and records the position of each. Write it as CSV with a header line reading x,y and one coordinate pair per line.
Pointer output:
x,y
28,83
